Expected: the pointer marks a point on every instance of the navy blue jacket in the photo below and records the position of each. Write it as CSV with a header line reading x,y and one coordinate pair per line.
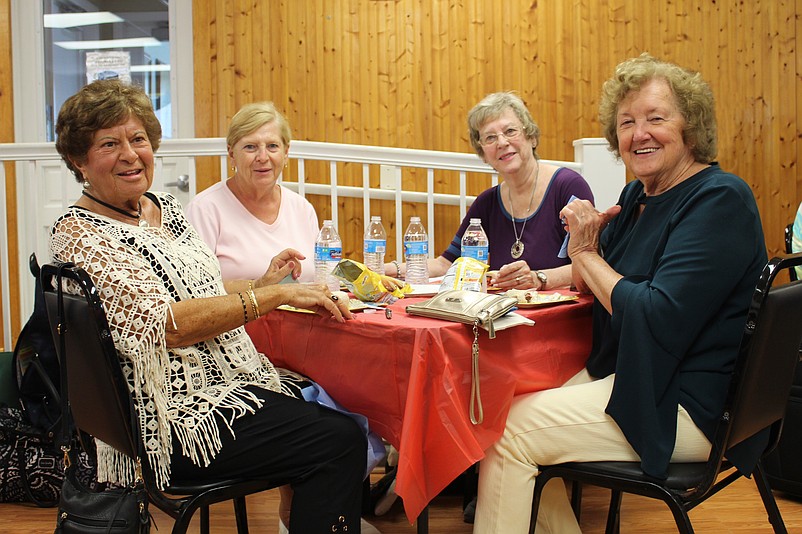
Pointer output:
x,y
690,262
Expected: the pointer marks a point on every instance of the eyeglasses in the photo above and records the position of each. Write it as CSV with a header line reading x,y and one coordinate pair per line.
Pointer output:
x,y
491,139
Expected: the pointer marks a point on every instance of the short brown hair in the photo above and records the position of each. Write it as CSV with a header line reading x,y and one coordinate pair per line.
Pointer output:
x,y
693,96
491,107
98,105
253,116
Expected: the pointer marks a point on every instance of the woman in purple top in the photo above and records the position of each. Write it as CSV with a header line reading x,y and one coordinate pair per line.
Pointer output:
x,y
521,214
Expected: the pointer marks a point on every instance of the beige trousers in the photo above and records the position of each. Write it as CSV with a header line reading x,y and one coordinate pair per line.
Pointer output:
x,y
565,424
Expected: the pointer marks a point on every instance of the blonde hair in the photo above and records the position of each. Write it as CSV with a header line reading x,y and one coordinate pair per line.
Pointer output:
x,y
692,94
253,116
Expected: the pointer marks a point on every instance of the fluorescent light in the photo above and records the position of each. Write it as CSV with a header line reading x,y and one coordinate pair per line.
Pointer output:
x,y
135,42
72,20
150,68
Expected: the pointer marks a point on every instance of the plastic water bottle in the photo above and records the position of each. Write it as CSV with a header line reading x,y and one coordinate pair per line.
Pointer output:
x,y
474,242
375,245
328,253
416,252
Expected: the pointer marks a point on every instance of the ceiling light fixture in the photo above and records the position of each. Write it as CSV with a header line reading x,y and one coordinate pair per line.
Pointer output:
x,y
134,42
150,68
73,20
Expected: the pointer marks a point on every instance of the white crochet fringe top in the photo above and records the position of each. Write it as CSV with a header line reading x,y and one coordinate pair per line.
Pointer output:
x,y
188,391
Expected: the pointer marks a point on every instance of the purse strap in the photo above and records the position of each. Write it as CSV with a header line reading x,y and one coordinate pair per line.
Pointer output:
x,y
67,427
476,394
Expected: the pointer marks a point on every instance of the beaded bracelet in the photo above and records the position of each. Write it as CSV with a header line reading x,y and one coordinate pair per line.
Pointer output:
x,y
244,307
250,285
254,304
397,269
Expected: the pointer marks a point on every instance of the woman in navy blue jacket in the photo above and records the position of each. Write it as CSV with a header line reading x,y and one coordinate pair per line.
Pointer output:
x,y
672,266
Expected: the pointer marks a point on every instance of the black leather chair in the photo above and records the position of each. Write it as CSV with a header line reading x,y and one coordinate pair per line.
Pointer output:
x,y
756,401
783,466
101,403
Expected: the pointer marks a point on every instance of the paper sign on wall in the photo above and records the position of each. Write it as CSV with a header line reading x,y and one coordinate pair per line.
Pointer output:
x,y
108,65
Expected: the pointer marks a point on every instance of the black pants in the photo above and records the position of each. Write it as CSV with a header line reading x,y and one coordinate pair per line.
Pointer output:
x,y
319,452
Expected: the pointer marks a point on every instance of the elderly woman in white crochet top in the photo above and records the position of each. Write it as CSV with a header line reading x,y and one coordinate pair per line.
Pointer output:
x,y
213,407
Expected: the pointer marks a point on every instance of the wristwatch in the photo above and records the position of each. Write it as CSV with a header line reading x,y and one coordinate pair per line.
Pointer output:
x,y
541,276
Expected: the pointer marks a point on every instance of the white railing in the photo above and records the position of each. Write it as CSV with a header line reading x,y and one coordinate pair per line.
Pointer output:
x,y
45,188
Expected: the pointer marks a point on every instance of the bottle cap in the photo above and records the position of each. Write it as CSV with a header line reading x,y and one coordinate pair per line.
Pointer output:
x,y
376,218
476,220
414,219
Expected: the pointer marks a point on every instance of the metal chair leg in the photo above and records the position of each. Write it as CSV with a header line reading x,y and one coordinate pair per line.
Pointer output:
x,y
763,487
241,513
614,513
423,521
204,520
576,498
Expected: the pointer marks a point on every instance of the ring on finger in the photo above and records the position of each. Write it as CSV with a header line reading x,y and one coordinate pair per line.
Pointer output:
x,y
517,279
335,298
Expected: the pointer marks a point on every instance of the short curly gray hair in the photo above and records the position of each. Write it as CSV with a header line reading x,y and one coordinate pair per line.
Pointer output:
x,y
491,107
693,96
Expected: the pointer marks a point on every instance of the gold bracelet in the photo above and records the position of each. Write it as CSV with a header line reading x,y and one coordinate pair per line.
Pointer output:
x,y
254,304
244,307
250,285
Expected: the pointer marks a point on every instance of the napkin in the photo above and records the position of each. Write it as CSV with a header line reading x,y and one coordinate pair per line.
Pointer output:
x,y
564,249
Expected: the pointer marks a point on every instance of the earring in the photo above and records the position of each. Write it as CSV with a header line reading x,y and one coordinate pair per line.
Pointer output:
x,y
86,184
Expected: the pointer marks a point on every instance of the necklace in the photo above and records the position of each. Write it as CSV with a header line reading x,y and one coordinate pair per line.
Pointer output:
x,y
138,215
517,249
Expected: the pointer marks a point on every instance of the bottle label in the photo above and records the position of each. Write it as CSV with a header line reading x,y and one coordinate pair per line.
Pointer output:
x,y
477,253
375,246
326,253
416,247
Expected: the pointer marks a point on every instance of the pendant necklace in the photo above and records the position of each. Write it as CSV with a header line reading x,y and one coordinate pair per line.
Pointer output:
x,y
517,249
136,216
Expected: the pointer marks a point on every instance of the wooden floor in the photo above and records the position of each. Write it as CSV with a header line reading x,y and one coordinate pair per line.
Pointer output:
x,y
736,510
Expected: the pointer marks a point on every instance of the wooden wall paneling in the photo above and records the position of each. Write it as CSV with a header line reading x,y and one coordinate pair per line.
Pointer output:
x,y
785,192
204,30
7,136
230,90
412,69
415,92
333,70
351,75
457,97
474,67
794,89
363,44
587,38
438,123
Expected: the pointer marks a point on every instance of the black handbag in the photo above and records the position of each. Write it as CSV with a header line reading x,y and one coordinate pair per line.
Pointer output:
x,y
114,511
122,510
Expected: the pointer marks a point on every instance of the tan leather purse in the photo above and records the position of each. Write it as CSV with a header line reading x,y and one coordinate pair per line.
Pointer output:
x,y
473,308
469,307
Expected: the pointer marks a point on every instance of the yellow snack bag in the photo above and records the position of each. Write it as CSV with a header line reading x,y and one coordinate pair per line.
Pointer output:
x,y
365,284
467,274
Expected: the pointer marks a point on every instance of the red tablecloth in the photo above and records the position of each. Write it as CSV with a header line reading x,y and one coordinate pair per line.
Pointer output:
x,y
411,376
